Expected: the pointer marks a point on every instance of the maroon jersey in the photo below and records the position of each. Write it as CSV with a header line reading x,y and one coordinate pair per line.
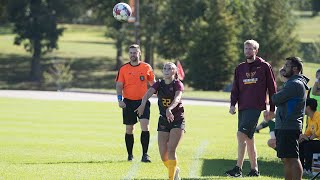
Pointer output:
x,y
166,93
251,83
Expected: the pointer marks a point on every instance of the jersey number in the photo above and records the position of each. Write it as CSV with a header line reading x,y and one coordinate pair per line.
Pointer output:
x,y
166,102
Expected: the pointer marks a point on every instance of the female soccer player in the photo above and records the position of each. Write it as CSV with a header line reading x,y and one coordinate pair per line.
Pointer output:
x,y
171,121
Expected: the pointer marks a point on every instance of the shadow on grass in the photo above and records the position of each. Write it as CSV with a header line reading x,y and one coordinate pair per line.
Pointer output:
x,y
90,73
77,162
88,42
218,167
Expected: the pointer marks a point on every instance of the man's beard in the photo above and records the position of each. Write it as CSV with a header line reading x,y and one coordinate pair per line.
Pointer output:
x,y
134,59
249,57
288,75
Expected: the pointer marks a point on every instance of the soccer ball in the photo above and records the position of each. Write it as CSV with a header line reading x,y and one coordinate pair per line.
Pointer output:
x,y
122,12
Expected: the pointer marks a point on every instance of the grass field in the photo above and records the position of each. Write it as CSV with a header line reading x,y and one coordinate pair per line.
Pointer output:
x,y
42,139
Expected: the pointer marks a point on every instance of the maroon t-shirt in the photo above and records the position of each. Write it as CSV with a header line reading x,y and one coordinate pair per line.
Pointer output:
x,y
166,93
252,82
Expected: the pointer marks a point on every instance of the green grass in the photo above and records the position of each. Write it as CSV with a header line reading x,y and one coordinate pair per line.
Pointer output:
x,y
42,139
308,28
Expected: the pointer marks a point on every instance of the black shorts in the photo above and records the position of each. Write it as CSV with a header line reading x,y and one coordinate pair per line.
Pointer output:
x,y
287,143
248,120
165,126
128,114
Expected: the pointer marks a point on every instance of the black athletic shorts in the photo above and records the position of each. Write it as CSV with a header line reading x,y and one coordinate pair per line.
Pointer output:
x,y
287,143
165,126
128,114
248,120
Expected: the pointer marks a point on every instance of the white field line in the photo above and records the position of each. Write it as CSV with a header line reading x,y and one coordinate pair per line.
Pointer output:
x,y
75,96
195,165
135,164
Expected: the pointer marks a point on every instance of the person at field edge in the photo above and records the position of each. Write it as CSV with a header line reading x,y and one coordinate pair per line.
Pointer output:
x,y
314,91
171,123
290,102
272,142
252,80
132,83
309,141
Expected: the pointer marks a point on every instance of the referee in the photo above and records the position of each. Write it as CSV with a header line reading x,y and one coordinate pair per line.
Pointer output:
x,y
131,84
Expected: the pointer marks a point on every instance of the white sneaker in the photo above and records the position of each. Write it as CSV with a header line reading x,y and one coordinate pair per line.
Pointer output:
x,y
177,174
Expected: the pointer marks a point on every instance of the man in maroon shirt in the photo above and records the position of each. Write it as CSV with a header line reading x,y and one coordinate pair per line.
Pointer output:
x,y
253,79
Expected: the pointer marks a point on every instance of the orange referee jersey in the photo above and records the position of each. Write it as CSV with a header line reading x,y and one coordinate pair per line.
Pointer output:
x,y
135,80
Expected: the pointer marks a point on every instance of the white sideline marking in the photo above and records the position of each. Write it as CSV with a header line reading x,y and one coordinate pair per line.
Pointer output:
x,y
195,165
74,96
135,164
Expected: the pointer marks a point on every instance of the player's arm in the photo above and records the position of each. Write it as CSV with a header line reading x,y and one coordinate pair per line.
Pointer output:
x,y
174,103
284,95
271,86
144,101
234,96
316,88
152,82
119,88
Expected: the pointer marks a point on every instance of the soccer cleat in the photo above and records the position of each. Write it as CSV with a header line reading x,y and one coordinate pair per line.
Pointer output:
x,y
253,173
145,158
235,172
177,174
130,157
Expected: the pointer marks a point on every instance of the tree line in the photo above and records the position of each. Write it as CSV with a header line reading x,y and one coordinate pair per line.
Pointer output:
x,y
205,35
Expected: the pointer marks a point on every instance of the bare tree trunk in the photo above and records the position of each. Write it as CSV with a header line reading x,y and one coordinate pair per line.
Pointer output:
x,y
149,50
35,63
119,57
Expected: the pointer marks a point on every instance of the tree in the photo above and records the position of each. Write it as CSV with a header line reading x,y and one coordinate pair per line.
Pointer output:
x,y
35,25
242,10
213,53
175,30
3,13
102,9
276,32
315,7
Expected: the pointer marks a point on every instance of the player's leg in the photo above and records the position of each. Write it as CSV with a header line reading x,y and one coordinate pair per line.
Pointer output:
x,y
252,153
242,144
129,119
145,134
237,170
311,147
272,143
129,139
163,138
174,139
251,117
288,151
262,125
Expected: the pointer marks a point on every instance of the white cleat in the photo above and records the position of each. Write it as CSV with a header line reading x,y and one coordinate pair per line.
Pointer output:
x,y
177,174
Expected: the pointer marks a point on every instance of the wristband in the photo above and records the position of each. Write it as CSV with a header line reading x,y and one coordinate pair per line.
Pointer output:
x,y
119,97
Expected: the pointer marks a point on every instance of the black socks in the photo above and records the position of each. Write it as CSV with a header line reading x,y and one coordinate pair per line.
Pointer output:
x,y
129,143
144,139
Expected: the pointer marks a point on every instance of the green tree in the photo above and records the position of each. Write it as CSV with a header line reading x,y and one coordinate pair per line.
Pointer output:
x,y
3,13
276,32
175,30
213,53
35,25
102,10
242,10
